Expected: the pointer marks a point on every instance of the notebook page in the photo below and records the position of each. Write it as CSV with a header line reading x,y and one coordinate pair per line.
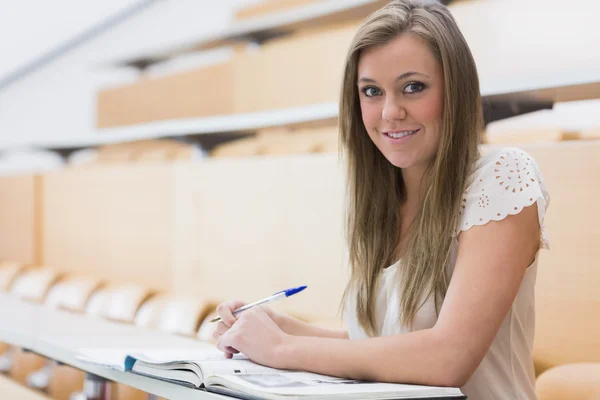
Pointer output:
x,y
234,366
301,384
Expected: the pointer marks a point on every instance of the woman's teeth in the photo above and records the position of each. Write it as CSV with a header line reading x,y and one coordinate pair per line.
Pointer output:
x,y
398,135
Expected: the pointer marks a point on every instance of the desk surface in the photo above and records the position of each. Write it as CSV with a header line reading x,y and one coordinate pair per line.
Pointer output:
x,y
12,390
58,335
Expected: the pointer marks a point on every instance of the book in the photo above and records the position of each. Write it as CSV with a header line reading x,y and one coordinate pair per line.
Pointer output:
x,y
208,369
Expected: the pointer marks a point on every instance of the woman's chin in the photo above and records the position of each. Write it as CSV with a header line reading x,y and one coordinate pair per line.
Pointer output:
x,y
400,162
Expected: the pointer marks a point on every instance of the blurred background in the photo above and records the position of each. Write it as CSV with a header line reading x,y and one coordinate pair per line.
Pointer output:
x,y
190,147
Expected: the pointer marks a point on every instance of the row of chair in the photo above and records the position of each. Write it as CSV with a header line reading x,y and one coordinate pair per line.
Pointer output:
x,y
281,141
127,303
325,139
150,150
268,142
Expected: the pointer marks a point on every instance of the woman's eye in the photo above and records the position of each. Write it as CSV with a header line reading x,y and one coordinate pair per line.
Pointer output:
x,y
371,91
414,87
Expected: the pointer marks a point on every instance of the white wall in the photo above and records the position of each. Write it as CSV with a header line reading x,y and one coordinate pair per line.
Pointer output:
x,y
58,100
512,40
29,28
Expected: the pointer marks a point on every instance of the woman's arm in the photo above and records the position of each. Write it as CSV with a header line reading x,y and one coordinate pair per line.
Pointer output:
x,y
295,327
288,324
491,262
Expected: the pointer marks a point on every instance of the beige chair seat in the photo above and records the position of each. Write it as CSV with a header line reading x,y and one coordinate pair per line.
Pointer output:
x,y
72,293
34,284
8,273
172,314
9,270
207,328
578,381
118,302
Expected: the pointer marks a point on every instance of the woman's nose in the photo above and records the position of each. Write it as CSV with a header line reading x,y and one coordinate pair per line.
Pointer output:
x,y
393,111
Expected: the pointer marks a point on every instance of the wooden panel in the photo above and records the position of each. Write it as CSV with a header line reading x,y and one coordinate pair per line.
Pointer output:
x,y
306,68
270,6
19,230
64,381
113,223
590,134
281,142
540,135
201,92
307,140
25,363
248,228
12,390
567,296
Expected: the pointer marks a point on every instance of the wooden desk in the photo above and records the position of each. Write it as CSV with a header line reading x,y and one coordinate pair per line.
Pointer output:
x,y
12,390
19,321
58,335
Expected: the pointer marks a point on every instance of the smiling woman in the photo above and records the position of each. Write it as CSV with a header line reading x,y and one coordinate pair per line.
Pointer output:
x,y
402,113
443,243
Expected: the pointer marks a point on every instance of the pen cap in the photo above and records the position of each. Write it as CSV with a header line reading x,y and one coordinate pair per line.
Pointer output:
x,y
292,291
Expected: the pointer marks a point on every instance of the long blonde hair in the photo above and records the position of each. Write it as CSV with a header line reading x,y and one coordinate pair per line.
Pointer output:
x,y
375,186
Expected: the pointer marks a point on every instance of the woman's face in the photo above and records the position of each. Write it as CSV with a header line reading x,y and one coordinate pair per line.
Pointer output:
x,y
401,89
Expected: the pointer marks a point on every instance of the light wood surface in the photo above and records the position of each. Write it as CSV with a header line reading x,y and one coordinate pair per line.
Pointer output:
x,y
19,216
580,381
305,68
245,228
567,295
541,135
269,6
64,381
112,223
10,389
282,141
201,92
249,228
590,134
24,363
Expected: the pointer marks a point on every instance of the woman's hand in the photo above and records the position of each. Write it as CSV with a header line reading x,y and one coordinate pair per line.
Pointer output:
x,y
225,311
255,334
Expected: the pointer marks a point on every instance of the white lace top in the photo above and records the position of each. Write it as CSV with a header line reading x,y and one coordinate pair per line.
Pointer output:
x,y
506,181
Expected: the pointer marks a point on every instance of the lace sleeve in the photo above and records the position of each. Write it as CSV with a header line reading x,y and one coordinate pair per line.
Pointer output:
x,y
505,182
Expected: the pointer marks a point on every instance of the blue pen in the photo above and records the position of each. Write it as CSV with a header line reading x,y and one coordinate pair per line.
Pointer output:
x,y
276,296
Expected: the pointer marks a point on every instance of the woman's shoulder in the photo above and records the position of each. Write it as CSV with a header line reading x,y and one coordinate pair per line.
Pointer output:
x,y
509,168
506,160
505,180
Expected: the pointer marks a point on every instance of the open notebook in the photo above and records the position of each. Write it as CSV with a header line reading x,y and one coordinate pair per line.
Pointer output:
x,y
239,377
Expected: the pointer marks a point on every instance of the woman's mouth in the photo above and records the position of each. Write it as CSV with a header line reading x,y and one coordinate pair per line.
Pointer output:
x,y
400,134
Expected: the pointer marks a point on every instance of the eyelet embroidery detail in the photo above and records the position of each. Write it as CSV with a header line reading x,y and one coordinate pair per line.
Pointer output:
x,y
484,199
513,171
505,183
